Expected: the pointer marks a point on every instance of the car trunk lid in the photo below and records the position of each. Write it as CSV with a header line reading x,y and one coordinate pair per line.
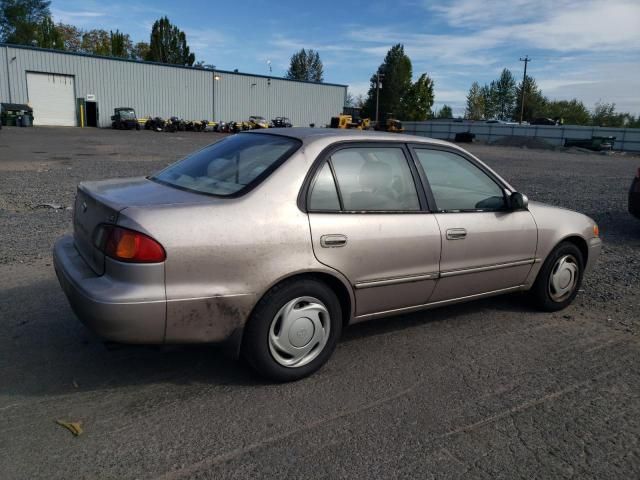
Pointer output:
x,y
101,202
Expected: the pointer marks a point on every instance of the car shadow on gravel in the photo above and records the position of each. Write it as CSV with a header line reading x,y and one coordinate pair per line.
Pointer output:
x,y
47,351
516,303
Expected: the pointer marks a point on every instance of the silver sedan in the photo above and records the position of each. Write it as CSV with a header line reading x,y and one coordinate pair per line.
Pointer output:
x,y
273,241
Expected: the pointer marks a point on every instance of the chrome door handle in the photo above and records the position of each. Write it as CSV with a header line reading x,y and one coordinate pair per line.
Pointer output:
x,y
456,234
332,241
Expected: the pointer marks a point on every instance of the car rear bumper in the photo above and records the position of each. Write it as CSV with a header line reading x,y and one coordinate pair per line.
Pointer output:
x,y
112,306
128,303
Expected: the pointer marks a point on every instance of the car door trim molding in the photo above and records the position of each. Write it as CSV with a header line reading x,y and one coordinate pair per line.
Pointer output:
x,y
396,280
487,268
435,275
395,311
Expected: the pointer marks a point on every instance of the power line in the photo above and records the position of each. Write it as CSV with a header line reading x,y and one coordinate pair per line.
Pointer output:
x,y
526,60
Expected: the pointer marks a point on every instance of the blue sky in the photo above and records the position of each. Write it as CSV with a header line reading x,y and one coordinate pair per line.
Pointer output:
x,y
589,49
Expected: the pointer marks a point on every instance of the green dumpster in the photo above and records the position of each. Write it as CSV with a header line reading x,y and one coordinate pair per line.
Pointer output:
x,y
9,113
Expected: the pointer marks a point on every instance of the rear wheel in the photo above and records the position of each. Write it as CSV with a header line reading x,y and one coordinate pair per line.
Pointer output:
x,y
559,278
293,330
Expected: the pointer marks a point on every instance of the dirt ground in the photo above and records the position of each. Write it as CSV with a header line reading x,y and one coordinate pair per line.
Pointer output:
x,y
491,389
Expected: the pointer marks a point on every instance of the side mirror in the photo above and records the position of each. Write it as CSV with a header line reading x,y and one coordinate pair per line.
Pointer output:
x,y
518,201
113,117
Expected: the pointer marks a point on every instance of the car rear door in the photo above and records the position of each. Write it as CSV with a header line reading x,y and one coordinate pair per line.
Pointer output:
x,y
369,220
486,246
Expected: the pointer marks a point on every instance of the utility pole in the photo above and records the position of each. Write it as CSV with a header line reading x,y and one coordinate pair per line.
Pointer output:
x,y
526,60
379,76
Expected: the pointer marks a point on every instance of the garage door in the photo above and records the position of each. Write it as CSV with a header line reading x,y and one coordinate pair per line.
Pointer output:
x,y
52,98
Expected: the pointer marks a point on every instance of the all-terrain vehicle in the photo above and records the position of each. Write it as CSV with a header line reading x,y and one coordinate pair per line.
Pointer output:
x,y
281,122
124,118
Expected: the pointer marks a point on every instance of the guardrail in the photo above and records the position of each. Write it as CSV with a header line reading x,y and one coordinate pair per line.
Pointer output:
x,y
627,139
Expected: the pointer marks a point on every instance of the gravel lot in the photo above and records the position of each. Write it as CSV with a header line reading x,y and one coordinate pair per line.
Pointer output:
x,y
490,389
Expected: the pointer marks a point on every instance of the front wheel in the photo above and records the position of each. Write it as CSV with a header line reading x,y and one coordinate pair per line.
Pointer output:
x,y
293,330
559,278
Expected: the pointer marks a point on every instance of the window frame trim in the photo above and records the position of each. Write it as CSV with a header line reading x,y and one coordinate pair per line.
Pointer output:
x,y
413,147
325,157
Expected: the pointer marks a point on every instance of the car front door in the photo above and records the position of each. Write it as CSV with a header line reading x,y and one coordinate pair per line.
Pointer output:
x,y
369,220
486,246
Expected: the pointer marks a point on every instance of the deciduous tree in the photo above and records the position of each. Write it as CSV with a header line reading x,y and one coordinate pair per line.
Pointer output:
x,y
140,51
20,20
306,65
47,35
417,101
571,112
96,42
475,103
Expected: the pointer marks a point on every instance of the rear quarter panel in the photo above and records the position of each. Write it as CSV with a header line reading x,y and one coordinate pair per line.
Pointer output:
x,y
222,257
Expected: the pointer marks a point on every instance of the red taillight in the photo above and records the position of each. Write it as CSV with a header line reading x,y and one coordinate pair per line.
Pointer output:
x,y
131,246
638,174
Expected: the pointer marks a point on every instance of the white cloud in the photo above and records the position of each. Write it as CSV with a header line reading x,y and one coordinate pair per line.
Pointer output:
x,y
78,18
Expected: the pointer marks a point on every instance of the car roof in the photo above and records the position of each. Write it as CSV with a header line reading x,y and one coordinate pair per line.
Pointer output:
x,y
308,135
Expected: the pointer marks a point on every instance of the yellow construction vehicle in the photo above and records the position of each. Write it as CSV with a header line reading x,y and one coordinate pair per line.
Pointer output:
x,y
347,121
390,125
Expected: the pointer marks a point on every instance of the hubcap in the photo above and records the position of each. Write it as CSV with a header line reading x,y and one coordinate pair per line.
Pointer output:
x,y
564,278
299,332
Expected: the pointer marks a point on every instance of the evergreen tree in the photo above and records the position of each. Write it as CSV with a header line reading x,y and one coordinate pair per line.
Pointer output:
x,y
489,96
534,101
396,69
168,44
445,112
505,95
120,44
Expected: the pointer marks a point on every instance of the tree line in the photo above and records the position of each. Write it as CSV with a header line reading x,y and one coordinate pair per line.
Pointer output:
x,y
29,22
501,99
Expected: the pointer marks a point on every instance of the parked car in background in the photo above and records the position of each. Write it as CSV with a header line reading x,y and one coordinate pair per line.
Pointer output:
x,y
274,242
634,196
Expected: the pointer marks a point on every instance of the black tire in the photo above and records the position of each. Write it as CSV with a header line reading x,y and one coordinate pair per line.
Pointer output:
x,y
255,344
542,290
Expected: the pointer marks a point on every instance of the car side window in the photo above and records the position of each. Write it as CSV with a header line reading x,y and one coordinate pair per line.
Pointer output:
x,y
457,184
375,179
324,195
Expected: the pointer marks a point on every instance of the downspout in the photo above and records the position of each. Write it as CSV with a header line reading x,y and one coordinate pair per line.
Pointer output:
x,y
6,52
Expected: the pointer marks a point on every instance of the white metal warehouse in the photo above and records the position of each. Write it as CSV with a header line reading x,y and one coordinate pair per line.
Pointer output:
x,y
55,83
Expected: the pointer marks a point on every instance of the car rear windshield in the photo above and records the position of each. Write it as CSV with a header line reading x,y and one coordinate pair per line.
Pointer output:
x,y
231,166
